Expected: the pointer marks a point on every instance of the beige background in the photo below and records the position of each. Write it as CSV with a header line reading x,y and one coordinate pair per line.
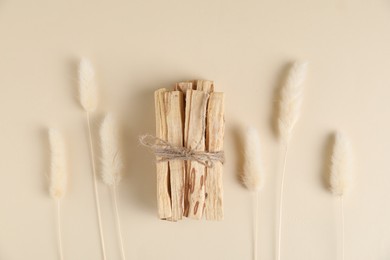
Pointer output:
x,y
138,46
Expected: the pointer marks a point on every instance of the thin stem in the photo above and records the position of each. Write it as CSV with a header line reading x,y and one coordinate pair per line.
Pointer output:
x,y
256,225
342,229
96,189
118,222
59,232
281,203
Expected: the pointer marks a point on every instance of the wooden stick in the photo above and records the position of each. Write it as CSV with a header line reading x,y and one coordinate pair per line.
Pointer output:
x,y
175,116
96,191
214,134
194,138
205,85
163,197
184,86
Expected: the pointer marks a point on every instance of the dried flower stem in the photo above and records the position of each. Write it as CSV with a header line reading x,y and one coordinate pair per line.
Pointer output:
x,y
342,229
281,203
58,177
95,188
256,225
112,165
253,177
340,176
118,222
291,97
59,232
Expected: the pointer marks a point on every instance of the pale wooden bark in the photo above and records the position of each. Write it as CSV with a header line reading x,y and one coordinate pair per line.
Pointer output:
x,y
205,85
214,140
184,86
175,117
188,188
163,197
194,138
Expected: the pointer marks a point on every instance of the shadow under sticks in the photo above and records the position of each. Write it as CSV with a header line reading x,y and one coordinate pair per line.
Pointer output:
x,y
327,160
139,174
278,86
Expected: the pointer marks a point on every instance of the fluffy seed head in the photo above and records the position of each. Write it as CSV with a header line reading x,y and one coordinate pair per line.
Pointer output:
x,y
111,155
87,86
253,173
341,162
291,99
58,171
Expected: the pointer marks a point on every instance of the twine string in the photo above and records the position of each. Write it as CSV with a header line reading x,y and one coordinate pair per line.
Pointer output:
x,y
165,151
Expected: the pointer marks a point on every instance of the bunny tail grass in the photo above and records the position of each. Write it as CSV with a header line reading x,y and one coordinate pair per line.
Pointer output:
x,y
111,156
87,86
253,177
58,178
58,175
291,99
281,204
112,165
291,96
253,174
89,101
340,171
340,175
97,200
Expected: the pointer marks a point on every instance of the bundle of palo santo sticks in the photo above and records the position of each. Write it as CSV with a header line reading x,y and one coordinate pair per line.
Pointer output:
x,y
190,129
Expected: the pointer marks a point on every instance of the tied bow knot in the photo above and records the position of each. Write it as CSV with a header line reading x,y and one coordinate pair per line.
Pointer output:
x,y
164,151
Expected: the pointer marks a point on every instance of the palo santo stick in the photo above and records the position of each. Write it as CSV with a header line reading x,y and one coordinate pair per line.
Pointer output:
x,y
205,85
213,178
163,198
175,116
194,138
184,86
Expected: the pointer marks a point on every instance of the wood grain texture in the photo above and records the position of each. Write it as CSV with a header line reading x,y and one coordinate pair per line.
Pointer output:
x,y
184,86
194,138
175,117
163,196
214,141
204,85
192,115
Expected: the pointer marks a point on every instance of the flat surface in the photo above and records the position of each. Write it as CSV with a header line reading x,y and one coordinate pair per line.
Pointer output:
x,y
139,46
